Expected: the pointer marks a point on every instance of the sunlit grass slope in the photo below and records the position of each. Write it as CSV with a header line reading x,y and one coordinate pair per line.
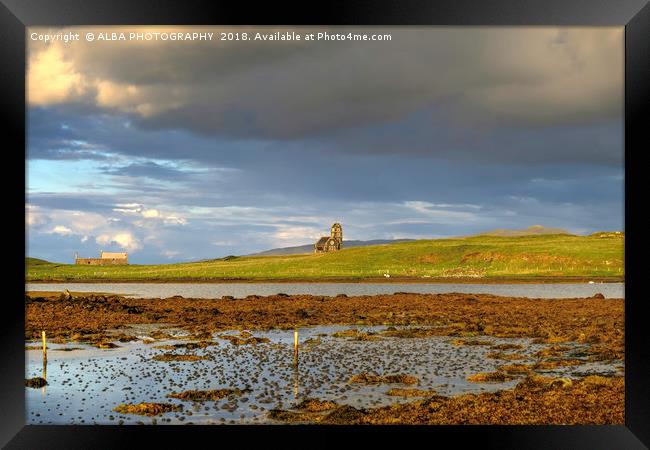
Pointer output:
x,y
470,257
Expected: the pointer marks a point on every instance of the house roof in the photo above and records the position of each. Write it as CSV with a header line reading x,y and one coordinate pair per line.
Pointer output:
x,y
323,240
109,255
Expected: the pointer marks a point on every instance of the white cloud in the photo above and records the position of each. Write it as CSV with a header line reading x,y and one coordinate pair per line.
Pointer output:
x,y
439,215
62,230
52,77
128,208
137,209
34,216
67,222
85,225
174,220
150,213
124,239
297,235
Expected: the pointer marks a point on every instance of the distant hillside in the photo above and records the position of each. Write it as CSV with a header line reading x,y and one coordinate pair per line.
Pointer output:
x,y
309,248
530,231
559,256
35,261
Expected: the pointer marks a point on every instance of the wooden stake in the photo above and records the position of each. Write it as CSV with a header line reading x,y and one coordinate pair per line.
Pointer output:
x,y
44,345
295,347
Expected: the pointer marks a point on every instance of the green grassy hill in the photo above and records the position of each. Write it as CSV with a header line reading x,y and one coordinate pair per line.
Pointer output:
x,y
33,262
486,257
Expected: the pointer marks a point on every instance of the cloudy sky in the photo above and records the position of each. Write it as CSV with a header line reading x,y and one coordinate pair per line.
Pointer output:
x,y
185,150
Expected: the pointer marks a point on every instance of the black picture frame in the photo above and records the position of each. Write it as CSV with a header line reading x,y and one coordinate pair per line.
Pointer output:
x,y
15,15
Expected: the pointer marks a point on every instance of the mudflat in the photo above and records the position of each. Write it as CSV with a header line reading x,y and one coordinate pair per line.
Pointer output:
x,y
595,323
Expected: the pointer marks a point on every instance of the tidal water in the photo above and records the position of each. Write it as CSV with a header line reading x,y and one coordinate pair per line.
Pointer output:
x,y
239,290
86,383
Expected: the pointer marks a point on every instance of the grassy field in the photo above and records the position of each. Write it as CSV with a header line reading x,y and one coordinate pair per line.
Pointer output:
x,y
481,257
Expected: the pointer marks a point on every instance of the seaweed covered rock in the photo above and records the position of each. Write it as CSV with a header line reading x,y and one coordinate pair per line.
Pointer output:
x,y
315,405
199,396
368,378
344,415
490,377
147,409
35,382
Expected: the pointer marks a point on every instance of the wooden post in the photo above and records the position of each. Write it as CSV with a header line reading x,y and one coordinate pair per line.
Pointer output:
x,y
295,347
44,355
44,345
296,374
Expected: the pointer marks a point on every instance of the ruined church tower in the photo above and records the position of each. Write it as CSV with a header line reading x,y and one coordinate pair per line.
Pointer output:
x,y
337,232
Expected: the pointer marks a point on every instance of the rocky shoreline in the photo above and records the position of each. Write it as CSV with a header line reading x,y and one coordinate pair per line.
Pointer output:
x,y
597,323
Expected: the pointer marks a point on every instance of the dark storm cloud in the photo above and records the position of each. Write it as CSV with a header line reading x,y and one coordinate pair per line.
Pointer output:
x,y
419,135
427,134
484,77
273,173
